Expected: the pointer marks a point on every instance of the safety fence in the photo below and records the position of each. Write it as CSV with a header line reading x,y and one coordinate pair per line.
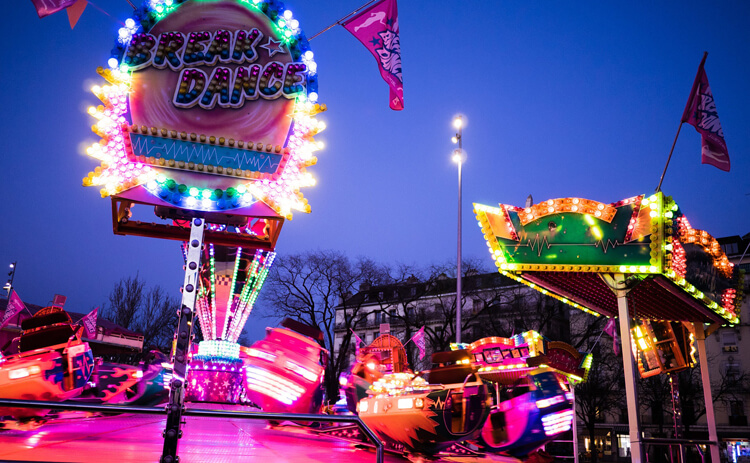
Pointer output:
x,y
200,412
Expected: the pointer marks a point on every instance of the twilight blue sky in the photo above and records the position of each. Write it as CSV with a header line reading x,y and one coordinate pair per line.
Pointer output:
x,y
562,99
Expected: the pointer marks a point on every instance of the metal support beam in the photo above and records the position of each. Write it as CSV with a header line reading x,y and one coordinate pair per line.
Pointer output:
x,y
620,287
575,425
700,341
183,336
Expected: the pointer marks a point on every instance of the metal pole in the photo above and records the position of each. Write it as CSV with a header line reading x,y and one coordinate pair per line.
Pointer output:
x,y
459,302
183,336
460,160
658,188
700,341
343,19
12,275
575,425
631,391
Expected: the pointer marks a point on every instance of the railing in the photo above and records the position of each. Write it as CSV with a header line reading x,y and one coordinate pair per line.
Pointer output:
x,y
681,444
353,419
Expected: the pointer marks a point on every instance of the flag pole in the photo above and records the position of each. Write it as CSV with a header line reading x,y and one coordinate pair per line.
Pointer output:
x,y
337,23
658,188
682,121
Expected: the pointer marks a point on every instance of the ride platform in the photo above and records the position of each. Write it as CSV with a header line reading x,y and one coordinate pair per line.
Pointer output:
x,y
78,437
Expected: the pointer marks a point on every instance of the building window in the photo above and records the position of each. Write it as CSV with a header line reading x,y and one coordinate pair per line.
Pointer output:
x,y
730,248
476,306
392,316
729,341
410,313
380,295
378,318
737,413
732,371
413,291
737,408
367,297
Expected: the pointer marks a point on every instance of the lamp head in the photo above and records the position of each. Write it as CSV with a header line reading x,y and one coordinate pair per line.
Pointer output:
x,y
458,156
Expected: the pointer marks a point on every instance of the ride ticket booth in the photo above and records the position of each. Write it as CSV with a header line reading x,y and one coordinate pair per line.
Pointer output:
x,y
637,259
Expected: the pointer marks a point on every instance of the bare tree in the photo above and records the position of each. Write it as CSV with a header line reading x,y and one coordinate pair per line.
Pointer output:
x,y
150,311
601,394
309,286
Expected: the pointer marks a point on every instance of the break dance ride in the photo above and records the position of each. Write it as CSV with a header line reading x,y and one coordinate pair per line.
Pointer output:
x,y
207,122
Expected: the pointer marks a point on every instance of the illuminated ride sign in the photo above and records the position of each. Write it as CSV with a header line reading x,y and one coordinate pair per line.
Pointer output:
x,y
562,247
210,107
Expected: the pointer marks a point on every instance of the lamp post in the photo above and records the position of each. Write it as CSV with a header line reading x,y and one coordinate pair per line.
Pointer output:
x,y
458,158
12,274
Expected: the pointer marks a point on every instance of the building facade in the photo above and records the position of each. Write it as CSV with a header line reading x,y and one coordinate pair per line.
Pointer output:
x,y
492,305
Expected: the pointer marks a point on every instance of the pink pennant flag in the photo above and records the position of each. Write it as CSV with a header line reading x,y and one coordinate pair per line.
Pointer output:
x,y
611,329
14,307
357,342
418,339
700,112
47,7
75,11
377,29
89,323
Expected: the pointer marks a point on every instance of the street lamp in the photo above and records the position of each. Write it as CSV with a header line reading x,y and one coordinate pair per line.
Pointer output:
x,y
12,274
458,158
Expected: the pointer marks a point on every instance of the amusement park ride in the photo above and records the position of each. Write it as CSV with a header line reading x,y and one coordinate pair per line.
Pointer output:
x,y
207,121
496,395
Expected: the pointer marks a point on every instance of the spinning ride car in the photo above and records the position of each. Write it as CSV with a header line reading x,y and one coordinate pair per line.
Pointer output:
x,y
284,372
142,384
52,362
424,415
532,402
384,355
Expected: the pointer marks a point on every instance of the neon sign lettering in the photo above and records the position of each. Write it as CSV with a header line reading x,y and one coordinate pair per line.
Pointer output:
x,y
227,87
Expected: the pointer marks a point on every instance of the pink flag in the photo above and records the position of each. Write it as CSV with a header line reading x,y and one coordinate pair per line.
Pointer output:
x,y
47,7
377,29
14,307
418,339
89,323
700,112
75,11
611,329
357,342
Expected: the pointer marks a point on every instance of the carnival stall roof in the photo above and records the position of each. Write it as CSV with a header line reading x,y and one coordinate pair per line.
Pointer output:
x,y
569,248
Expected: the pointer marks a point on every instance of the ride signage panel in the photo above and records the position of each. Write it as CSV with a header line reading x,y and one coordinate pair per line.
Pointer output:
x,y
205,89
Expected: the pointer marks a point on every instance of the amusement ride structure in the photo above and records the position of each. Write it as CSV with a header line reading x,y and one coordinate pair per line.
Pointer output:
x,y
221,162
637,259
